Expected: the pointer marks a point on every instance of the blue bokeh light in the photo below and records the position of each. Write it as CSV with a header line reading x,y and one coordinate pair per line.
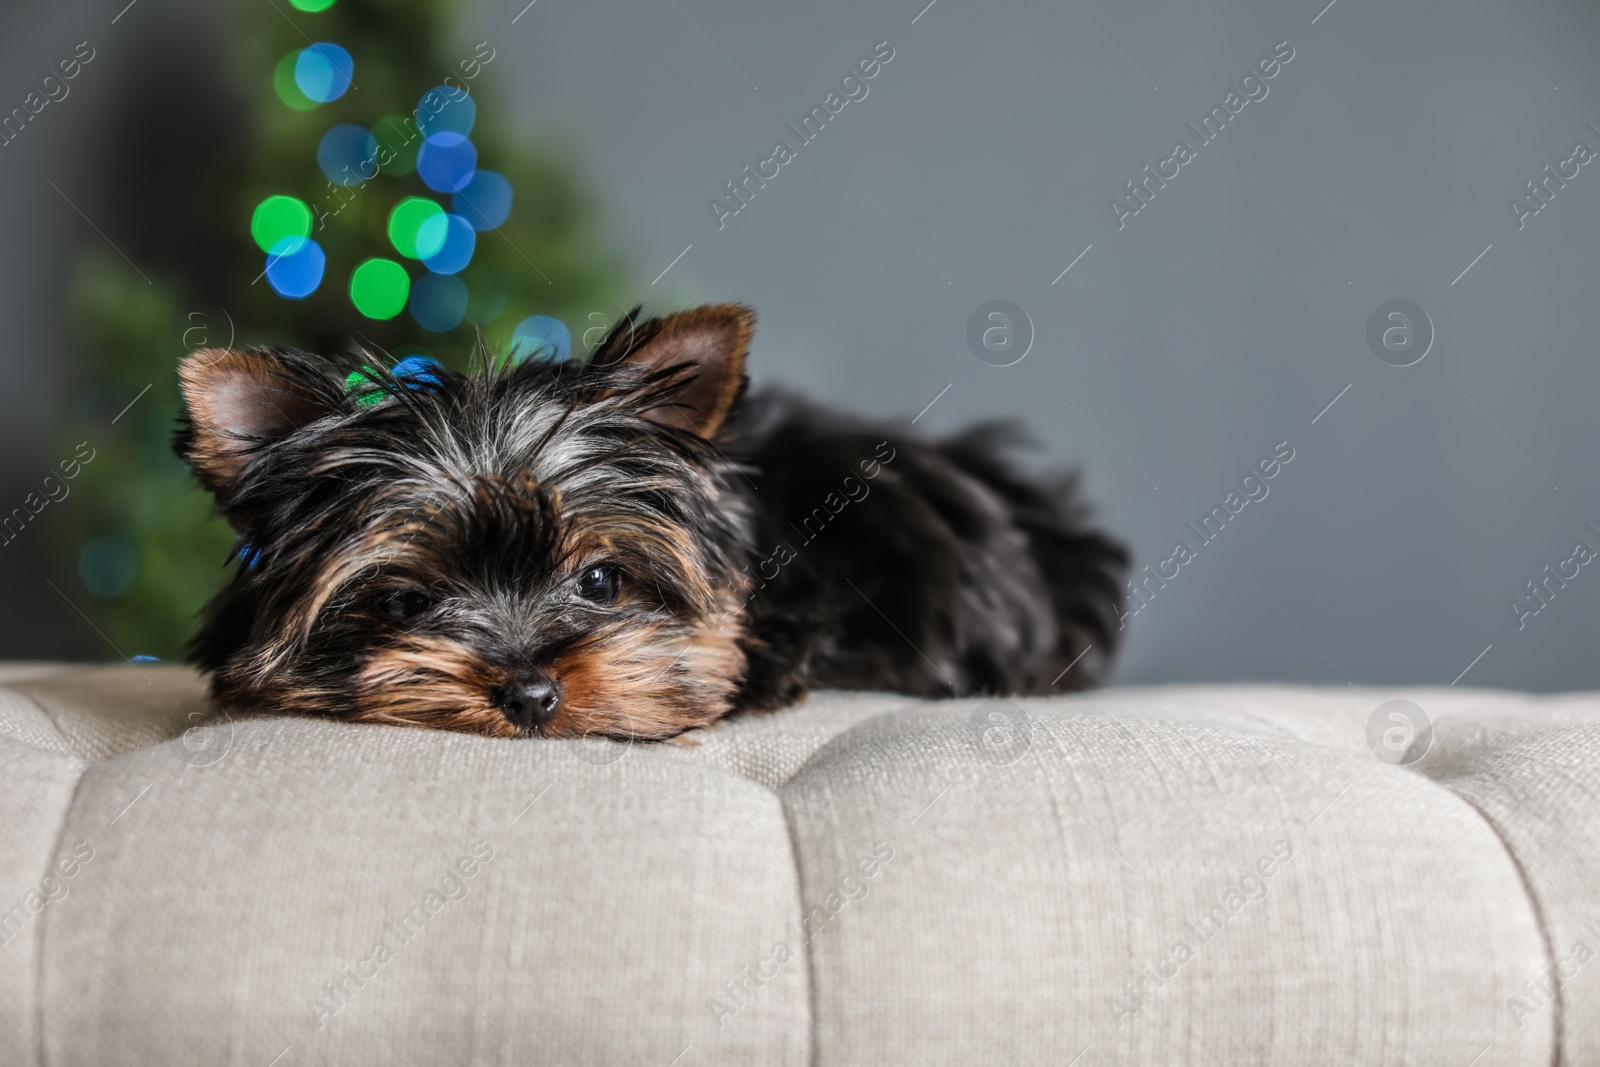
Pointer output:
x,y
108,565
541,337
418,370
438,302
447,162
485,201
324,71
348,155
446,110
456,247
295,266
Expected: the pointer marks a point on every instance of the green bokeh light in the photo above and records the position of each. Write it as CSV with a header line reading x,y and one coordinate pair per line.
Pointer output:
x,y
379,287
405,226
278,217
283,83
313,6
363,387
398,142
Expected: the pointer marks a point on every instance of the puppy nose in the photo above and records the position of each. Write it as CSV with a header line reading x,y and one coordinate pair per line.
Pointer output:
x,y
529,700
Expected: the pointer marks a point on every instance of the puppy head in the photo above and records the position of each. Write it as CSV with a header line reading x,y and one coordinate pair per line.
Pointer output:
x,y
550,549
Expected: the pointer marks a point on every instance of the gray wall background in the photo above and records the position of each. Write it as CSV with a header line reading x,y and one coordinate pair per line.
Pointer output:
x,y
1220,321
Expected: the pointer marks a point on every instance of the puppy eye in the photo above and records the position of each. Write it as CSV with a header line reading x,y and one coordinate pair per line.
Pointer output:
x,y
404,605
599,584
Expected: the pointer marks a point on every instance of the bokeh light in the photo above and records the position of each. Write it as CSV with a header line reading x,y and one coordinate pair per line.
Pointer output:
x,y
446,110
295,266
418,371
379,287
400,140
324,71
485,201
313,6
108,565
403,353
362,387
278,217
446,162
456,240
405,226
541,337
284,85
348,155
438,302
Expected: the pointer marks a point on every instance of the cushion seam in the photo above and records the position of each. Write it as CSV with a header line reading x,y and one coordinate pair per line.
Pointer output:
x,y
66,748
805,946
1557,1000
46,920
61,832
903,704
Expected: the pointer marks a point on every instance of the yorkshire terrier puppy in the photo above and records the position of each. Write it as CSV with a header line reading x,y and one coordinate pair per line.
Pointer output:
x,y
626,546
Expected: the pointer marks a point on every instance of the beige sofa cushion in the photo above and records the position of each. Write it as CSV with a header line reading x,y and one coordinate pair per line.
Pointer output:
x,y
1203,875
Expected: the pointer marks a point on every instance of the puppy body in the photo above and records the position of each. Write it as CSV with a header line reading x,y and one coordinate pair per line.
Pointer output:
x,y
629,547
931,568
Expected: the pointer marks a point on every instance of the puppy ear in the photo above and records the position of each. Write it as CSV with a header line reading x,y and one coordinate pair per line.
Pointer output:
x,y
239,402
711,342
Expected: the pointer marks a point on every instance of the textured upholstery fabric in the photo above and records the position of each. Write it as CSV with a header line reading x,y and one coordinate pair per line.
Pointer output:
x,y
1216,875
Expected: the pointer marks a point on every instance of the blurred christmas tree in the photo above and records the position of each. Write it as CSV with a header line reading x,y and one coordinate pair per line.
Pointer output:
x,y
373,200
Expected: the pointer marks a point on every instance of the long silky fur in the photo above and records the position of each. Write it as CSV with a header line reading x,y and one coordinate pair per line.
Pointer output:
x,y
487,488
955,573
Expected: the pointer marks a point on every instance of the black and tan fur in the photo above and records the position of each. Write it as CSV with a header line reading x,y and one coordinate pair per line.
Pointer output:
x,y
631,539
